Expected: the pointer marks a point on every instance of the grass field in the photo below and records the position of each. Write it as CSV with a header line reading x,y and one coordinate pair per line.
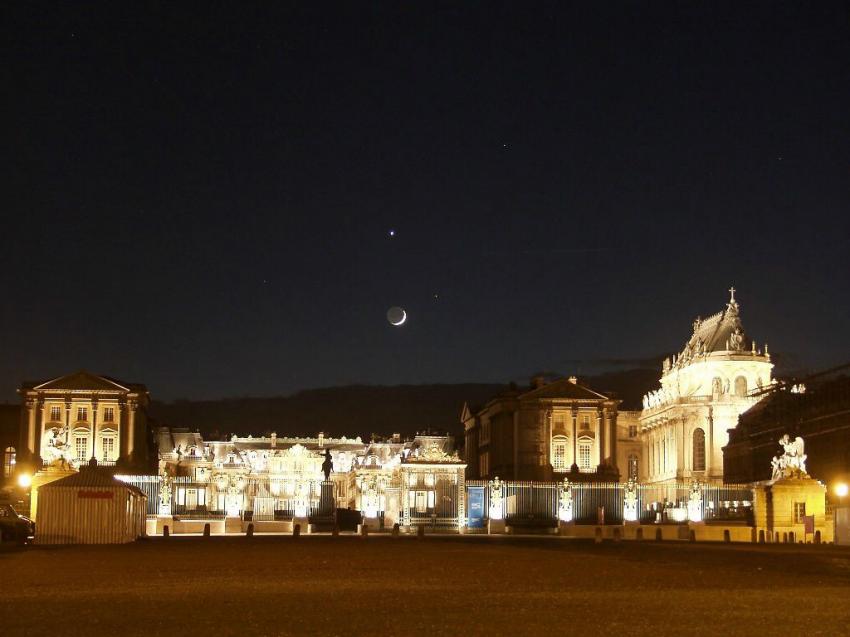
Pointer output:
x,y
434,586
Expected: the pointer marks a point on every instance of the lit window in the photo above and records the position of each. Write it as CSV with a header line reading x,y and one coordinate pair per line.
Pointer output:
x,y
430,499
632,431
799,512
108,448
484,464
584,455
8,461
202,496
412,480
56,413
429,480
559,454
109,414
633,467
82,414
699,449
81,448
420,502
181,496
585,421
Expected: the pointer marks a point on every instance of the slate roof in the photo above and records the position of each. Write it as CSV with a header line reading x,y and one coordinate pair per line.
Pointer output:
x,y
564,388
90,477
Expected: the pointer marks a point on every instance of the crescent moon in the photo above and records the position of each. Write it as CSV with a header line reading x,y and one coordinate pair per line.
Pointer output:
x,y
402,320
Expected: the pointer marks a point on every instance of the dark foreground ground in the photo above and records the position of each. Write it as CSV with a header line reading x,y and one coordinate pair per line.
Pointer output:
x,y
435,586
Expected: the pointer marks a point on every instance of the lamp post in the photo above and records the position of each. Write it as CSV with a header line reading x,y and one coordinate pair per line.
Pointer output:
x,y
841,490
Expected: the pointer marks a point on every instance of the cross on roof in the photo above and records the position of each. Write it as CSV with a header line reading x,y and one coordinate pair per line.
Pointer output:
x,y
732,292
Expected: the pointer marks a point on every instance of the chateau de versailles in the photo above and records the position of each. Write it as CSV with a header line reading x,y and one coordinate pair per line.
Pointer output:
x,y
557,455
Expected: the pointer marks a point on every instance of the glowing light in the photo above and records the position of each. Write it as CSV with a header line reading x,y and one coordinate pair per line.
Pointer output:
x,y
841,489
24,480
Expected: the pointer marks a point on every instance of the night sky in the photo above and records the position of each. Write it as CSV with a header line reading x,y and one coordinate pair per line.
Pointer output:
x,y
202,199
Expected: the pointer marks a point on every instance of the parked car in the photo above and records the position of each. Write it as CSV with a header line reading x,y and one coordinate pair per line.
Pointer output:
x,y
14,527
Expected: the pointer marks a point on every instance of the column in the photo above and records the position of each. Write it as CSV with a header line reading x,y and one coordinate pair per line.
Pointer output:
x,y
612,432
30,437
122,431
600,432
94,428
39,424
574,414
131,428
709,455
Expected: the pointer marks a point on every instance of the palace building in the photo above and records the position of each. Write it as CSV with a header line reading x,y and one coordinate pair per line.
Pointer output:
x,y
67,421
719,374
545,432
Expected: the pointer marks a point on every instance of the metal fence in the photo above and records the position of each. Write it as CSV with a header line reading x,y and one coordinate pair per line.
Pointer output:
x,y
535,504
149,485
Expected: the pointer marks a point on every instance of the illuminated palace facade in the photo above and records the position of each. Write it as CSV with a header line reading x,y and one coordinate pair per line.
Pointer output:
x,y
718,375
280,478
70,420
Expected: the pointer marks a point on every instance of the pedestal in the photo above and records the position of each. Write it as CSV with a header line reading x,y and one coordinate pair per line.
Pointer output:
x,y
162,521
495,527
232,524
305,525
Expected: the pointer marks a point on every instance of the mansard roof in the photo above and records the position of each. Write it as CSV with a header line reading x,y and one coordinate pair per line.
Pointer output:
x,y
84,381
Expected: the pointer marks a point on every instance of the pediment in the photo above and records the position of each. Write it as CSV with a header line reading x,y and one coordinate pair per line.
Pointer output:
x,y
81,381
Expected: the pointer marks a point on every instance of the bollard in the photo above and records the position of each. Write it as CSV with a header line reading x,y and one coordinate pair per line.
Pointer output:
x,y
659,536
597,535
395,529
639,534
364,530
207,529
791,537
296,530
420,531
692,536
817,537
165,531
618,534
335,532
761,536
726,535
250,531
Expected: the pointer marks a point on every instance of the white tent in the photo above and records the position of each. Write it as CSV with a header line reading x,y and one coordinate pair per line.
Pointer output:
x,y
90,507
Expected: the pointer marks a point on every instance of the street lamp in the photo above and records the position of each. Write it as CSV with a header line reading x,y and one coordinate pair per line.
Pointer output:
x,y
841,490
25,480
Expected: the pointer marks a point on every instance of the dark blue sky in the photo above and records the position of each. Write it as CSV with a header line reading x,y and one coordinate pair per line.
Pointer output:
x,y
201,199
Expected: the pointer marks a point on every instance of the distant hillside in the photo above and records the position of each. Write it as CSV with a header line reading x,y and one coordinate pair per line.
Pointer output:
x,y
364,409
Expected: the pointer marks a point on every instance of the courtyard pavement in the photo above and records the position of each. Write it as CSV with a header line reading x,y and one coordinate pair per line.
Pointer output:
x,y
348,585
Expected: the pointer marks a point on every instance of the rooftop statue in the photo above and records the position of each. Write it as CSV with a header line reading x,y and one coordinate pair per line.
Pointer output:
x,y
792,463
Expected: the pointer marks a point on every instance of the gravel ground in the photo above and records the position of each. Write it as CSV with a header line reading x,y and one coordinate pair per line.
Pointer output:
x,y
277,585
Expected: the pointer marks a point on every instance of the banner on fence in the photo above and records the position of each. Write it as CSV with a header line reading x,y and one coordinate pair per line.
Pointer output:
x,y
476,507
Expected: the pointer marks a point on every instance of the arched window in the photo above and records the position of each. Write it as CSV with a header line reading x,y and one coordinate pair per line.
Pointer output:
x,y
741,386
633,467
699,449
8,462
559,453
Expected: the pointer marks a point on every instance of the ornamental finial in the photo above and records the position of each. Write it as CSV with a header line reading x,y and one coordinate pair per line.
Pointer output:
x,y
732,295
